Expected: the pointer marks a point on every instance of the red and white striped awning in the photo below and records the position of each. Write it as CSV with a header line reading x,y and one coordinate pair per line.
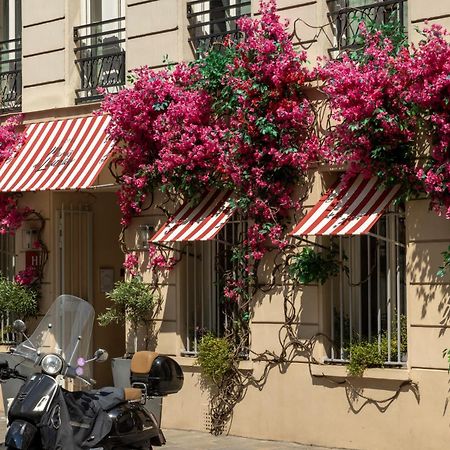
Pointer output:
x,y
197,223
61,154
349,208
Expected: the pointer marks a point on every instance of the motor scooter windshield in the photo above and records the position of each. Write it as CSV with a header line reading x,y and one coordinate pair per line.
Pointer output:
x,y
67,320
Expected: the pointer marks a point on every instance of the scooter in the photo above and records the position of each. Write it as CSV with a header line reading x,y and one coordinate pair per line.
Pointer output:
x,y
46,416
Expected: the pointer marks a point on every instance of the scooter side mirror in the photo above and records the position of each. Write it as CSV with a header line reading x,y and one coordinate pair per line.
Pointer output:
x,y
19,326
101,355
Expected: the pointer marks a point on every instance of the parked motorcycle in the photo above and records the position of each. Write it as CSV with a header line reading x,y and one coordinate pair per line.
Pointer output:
x,y
47,416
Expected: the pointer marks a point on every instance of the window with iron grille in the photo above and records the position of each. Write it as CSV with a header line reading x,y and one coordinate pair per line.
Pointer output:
x,y
367,298
7,270
10,56
206,267
346,15
210,21
100,49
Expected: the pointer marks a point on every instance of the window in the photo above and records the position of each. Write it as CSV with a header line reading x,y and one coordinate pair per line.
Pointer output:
x,y
7,270
100,48
102,10
210,21
367,300
346,15
10,55
207,264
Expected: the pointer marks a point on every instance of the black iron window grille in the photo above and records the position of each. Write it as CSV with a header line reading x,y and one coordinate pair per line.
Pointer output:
x,y
346,15
10,75
100,57
211,21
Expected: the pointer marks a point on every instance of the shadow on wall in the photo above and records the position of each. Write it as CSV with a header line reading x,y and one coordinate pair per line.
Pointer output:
x,y
424,260
361,392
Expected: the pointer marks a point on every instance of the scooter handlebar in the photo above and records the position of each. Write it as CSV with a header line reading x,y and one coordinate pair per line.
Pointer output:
x,y
71,372
6,372
87,380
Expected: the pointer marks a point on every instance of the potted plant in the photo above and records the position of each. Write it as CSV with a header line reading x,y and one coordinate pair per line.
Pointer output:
x,y
133,302
309,266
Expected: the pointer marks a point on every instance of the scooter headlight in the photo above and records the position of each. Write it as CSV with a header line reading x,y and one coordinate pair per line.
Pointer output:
x,y
52,364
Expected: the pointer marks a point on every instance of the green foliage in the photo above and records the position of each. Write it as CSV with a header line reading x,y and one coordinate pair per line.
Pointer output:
x,y
363,355
366,354
215,357
446,266
213,66
132,301
310,266
19,300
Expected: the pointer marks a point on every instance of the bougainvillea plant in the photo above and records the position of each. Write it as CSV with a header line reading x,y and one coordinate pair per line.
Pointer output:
x,y
386,99
11,215
376,128
430,68
235,119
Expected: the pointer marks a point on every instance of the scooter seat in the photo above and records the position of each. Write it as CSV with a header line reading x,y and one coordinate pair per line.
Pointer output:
x,y
132,394
142,361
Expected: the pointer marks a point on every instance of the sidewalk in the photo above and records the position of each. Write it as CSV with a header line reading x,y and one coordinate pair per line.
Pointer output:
x,y
194,440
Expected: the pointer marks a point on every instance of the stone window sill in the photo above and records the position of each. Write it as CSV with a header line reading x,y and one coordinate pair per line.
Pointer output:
x,y
340,371
190,361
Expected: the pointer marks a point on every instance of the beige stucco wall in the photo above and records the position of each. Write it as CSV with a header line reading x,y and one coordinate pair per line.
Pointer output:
x,y
294,404
309,404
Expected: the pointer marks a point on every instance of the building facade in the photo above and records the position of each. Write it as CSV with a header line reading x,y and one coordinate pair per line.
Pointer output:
x,y
57,53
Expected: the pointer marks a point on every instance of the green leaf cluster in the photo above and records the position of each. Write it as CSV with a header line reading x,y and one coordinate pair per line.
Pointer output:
x,y
446,266
310,266
20,301
365,354
133,301
215,357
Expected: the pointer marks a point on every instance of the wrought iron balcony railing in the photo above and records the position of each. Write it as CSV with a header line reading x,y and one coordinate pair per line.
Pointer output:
x,y
100,57
346,17
210,21
10,75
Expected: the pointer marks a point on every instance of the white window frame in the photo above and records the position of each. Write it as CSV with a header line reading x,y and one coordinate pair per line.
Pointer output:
x,y
208,16
114,9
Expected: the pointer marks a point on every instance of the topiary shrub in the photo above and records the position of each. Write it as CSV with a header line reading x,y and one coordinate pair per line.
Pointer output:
x,y
134,302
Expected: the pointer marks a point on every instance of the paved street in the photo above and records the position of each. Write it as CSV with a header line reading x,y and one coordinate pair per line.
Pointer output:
x,y
193,440
177,440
